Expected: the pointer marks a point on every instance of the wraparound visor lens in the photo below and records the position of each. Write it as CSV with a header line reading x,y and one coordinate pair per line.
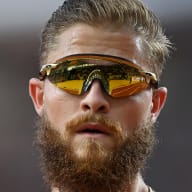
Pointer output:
x,y
119,77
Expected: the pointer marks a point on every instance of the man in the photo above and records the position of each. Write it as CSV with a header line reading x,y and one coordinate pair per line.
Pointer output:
x,y
97,94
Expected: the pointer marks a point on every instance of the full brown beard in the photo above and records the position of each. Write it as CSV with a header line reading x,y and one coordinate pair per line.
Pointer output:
x,y
101,169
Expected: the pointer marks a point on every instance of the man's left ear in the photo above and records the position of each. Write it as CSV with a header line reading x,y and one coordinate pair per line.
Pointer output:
x,y
158,100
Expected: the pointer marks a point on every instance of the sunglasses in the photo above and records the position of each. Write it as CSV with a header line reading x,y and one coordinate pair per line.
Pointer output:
x,y
119,77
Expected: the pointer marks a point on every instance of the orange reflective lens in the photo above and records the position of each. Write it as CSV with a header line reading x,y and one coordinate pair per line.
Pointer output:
x,y
119,77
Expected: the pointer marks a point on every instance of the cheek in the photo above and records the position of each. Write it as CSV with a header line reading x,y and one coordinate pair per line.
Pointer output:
x,y
134,111
59,108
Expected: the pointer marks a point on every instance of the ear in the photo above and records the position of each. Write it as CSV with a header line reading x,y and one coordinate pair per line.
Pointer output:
x,y
36,91
158,100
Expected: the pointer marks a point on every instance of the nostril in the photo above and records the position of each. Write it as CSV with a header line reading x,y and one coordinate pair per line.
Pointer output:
x,y
102,109
94,108
86,107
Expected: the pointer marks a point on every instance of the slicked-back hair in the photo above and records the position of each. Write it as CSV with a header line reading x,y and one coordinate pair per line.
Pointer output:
x,y
132,14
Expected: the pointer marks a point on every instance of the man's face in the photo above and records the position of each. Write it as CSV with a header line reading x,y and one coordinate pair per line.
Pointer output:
x,y
129,111
94,126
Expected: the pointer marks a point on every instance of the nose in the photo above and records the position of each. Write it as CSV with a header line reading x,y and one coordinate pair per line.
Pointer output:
x,y
95,99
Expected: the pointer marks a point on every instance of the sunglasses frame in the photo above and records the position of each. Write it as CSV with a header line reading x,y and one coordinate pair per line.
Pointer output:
x,y
46,69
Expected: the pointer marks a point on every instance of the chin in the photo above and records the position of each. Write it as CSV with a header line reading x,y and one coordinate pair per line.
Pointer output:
x,y
90,150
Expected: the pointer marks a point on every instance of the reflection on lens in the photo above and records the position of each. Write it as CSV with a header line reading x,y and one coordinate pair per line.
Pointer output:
x,y
72,86
127,90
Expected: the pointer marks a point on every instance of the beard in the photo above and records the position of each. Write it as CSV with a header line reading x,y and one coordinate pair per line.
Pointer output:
x,y
97,168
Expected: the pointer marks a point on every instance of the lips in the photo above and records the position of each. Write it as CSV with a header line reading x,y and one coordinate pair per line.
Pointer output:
x,y
93,128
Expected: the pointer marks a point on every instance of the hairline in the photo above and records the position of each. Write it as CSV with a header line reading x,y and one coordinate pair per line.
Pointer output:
x,y
102,25
155,44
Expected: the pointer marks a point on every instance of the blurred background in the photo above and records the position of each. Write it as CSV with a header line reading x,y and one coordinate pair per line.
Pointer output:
x,y
21,23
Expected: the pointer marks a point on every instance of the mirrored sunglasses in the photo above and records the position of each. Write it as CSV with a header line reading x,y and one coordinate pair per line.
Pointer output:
x,y
119,77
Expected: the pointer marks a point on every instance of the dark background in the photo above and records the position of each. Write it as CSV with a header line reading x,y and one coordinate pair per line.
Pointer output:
x,y
169,168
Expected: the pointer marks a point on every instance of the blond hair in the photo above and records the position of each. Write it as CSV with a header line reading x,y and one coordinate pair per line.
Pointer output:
x,y
132,14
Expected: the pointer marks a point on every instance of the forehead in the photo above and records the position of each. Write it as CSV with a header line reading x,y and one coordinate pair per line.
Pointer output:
x,y
83,38
95,58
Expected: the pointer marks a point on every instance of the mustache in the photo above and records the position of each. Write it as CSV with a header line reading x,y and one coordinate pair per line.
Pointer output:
x,y
113,127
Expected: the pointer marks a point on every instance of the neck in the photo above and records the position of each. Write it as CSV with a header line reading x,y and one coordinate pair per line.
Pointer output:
x,y
137,186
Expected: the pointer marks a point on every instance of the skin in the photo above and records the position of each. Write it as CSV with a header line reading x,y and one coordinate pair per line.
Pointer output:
x,y
82,38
